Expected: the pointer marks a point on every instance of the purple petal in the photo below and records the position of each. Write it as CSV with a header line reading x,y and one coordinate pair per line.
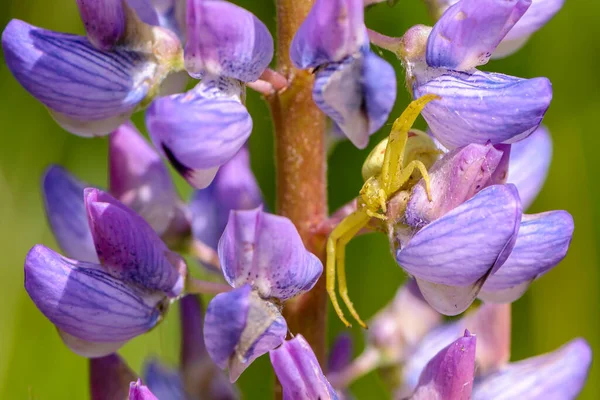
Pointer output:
x,y
65,210
86,302
397,328
358,94
483,107
165,383
88,92
540,12
332,31
200,130
104,21
454,179
340,354
234,188
137,391
557,375
450,299
449,375
139,179
240,327
299,373
266,251
463,245
226,40
543,242
129,248
529,164
171,15
109,378
469,32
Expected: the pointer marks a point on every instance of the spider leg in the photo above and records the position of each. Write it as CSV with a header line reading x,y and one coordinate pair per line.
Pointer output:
x,y
340,260
407,172
349,225
394,152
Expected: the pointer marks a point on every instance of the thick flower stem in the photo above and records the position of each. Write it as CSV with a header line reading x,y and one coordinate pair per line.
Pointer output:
x,y
301,170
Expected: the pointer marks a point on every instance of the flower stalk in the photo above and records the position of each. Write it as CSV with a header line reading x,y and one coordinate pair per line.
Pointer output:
x,y
301,170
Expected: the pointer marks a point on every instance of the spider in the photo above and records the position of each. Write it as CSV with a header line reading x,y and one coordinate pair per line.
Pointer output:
x,y
384,179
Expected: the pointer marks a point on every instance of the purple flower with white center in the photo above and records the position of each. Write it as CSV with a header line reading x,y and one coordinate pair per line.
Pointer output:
x,y
475,106
353,86
91,92
536,16
138,391
234,188
264,259
299,372
473,237
98,307
449,374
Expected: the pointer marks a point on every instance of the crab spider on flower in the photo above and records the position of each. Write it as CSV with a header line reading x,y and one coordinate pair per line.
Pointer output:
x,y
384,178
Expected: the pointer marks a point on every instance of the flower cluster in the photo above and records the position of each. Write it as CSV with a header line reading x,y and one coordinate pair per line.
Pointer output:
x,y
451,199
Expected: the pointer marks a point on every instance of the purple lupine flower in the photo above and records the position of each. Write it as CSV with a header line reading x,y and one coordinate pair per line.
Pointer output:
x,y
140,180
137,391
353,86
475,106
163,382
109,378
262,256
449,374
560,374
498,249
234,188
90,92
536,16
202,129
99,307
299,373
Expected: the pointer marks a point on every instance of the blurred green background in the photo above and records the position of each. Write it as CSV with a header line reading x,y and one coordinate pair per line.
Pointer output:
x,y
562,305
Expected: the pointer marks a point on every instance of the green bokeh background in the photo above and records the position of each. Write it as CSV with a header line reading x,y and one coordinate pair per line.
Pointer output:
x,y
562,305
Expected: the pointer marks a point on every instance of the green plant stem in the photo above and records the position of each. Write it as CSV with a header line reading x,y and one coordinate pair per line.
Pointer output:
x,y
301,170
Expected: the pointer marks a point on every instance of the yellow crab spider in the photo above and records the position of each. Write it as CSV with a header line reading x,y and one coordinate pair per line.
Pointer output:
x,y
382,181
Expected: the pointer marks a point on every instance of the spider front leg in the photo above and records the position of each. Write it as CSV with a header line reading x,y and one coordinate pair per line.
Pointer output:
x,y
392,172
336,244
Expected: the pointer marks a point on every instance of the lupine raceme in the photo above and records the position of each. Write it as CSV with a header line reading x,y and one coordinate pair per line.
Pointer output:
x,y
451,199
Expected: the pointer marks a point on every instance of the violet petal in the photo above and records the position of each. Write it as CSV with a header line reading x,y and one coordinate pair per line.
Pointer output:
x,y
137,391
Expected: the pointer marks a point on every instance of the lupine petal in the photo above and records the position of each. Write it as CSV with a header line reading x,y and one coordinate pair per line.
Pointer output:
x,y
340,354
171,15
104,21
137,391
86,302
332,31
454,179
88,92
139,179
201,130
165,383
469,31
65,209
449,375
540,12
129,248
543,241
109,378
358,93
529,164
299,373
464,244
557,375
450,299
234,188
266,251
483,107
226,40
240,327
